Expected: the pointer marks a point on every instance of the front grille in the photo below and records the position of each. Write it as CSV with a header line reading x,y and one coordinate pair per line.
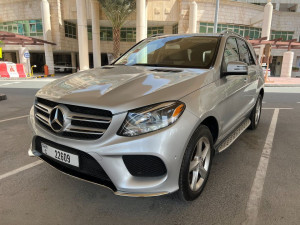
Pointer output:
x,y
89,169
83,122
144,165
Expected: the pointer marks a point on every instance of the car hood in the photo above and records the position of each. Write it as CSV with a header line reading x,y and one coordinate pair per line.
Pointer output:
x,y
121,88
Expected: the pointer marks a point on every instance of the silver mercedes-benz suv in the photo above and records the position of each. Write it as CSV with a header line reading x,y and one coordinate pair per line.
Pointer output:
x,y
150,123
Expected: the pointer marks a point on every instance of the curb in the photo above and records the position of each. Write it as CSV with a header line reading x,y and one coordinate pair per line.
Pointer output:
x,y
3,97
281,85
43,76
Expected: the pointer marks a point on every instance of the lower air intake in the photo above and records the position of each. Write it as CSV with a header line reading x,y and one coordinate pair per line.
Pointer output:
x,y
144,165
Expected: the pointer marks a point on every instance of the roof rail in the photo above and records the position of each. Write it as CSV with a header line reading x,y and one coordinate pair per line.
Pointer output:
x,y
155,35
230,32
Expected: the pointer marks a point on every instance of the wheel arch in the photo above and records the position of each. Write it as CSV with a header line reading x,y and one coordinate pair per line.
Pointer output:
x,y
262,92
213,125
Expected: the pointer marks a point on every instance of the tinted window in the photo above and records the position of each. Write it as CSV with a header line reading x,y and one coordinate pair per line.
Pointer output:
x,y
231,53
173,51
245,55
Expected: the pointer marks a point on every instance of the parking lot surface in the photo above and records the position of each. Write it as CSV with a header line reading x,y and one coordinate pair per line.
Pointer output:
x,y
35,193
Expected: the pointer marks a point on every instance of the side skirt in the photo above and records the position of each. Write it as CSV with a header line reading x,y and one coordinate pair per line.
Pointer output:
x,y
233,136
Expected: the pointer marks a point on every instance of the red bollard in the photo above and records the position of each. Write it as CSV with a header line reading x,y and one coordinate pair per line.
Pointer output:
x,y
46,70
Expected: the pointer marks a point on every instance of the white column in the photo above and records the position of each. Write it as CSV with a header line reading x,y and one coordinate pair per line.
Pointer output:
x,y
193,17
298,8
24,61
73,61
287,64
266,26
95,8
47,35
141,27
82,35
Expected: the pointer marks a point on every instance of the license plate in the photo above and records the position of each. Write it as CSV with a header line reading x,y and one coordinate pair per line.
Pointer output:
x,y
59,155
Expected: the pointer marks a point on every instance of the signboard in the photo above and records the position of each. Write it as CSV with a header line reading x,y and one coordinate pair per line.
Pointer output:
x,y
12,70
0,53
27,55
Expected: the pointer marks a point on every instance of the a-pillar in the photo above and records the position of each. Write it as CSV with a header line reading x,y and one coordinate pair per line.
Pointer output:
x,y
95,8
193,17
82,35
266,26
287,64
141,20
47,35
73,61
24,61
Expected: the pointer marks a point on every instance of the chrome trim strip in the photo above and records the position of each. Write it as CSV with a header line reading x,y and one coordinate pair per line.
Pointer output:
x,y
43,107
71,115
84,129
42,118
88,120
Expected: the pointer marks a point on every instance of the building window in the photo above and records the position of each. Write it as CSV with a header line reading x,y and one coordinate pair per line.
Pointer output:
x,y
70,30
154,30
90,33
106,34
175,29
285,35
251,32
128,34
23,27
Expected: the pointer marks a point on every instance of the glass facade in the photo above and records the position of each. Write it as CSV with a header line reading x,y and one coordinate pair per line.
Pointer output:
x,y
23,27
90,34
154,30
285,35
251,32
70,30
106,34
175,29
128,34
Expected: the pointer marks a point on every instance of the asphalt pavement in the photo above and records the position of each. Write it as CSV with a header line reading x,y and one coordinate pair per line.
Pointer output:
x,y
39,194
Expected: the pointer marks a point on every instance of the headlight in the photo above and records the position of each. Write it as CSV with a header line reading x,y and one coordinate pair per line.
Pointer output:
x,y
151,118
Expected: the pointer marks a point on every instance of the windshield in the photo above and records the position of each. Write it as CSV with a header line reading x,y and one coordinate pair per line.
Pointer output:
x,y
172,51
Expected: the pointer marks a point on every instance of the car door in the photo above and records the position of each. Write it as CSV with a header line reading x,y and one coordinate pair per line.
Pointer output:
x,y
249,94
233,87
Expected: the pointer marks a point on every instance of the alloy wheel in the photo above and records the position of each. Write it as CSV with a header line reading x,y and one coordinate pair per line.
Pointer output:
x,y
199,164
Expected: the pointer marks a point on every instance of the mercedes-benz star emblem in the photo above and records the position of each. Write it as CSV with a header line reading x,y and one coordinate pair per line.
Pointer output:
x,y
56,119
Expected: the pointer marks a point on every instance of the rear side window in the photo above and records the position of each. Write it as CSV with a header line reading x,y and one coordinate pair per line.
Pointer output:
x,y
245,55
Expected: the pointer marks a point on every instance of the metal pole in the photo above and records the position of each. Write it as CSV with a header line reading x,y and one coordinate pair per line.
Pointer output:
x,y
216,16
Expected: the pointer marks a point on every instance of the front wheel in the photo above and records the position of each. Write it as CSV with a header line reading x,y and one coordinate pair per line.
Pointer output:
x,y
255,114
196,164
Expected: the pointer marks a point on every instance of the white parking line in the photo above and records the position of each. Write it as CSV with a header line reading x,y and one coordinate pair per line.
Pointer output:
x,y
13,172
9,83
259,180
277,108
19,117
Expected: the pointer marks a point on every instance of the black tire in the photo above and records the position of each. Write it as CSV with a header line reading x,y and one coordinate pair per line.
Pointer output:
x,y
185,191
253,116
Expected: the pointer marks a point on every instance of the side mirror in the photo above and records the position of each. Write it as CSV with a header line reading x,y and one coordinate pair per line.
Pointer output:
x,y
236,68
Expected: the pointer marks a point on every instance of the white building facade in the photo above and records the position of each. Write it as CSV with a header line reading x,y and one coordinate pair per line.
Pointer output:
x,y
84,37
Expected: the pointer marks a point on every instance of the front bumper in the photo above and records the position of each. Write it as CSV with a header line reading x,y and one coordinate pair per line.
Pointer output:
x,y
168,144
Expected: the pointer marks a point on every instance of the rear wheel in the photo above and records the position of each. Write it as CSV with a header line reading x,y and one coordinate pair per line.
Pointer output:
x,y
196,164
255,114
